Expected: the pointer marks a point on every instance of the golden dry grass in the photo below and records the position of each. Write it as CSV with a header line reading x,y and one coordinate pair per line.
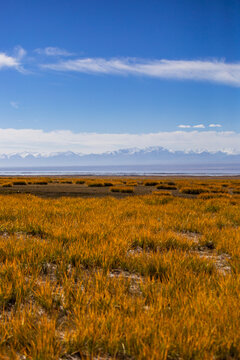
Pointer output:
x,y
143,277
122,189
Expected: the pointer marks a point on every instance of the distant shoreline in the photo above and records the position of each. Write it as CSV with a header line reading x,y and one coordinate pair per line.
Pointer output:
x,y
139,176
218,170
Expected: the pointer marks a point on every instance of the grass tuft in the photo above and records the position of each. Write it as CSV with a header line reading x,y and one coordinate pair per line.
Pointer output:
x,y
124,190
19,182
7,185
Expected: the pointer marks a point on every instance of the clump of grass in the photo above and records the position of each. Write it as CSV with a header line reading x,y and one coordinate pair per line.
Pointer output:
x,y
210,195
80,182
7,185
158,200
19,182
66,182
40,183
107,183
96,184
132,183
124,190
192,190
217,189
162,193
236,191
151,183
166,187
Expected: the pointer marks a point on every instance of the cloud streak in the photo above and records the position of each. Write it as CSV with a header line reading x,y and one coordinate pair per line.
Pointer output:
x,y
215,126
182,126
53,51
30,140
198,126
213,71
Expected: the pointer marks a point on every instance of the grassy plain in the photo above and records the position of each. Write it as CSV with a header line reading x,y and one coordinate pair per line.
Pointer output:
x,y
150,275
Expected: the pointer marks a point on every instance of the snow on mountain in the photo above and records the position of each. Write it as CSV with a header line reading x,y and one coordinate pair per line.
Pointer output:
x,y
147,156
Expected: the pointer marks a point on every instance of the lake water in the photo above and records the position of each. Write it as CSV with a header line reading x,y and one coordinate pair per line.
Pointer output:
x,y
138,170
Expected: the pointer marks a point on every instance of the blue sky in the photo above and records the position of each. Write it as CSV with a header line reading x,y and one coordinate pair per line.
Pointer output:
x,y
120,67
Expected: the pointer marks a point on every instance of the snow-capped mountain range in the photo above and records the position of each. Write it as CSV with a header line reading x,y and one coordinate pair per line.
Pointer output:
x,y
148,156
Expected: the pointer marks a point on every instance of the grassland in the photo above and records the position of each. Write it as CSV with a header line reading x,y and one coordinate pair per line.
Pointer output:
x,y
153,274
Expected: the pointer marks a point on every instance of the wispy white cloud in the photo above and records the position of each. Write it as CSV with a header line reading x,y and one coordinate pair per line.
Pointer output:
x,y
214,71
199,126
53,51
14,104
215,126
14,62
30,140
184,126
